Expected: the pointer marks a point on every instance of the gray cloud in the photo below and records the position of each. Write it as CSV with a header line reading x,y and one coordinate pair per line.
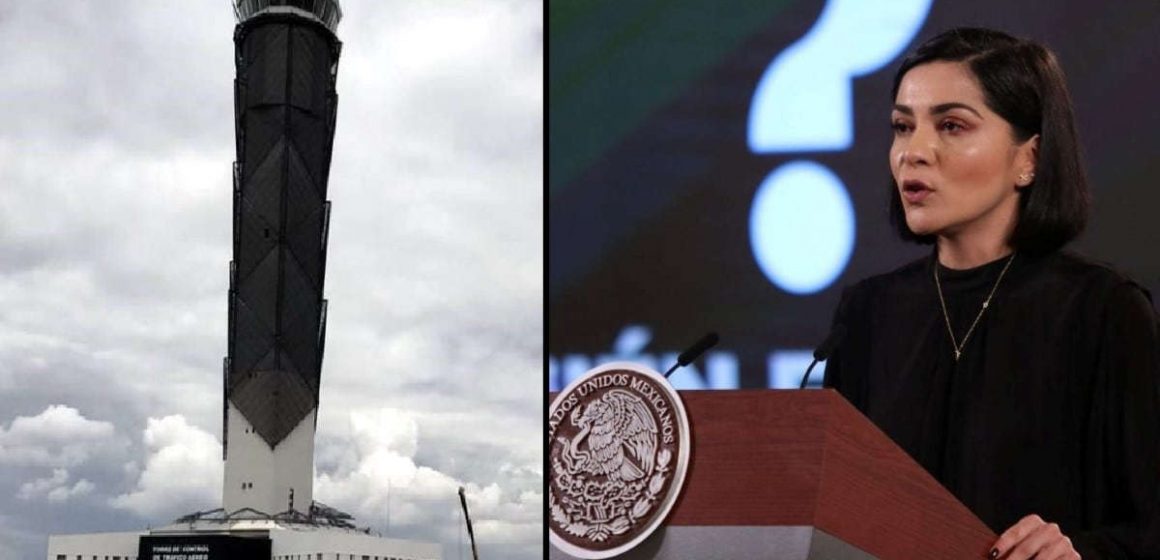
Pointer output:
x,y
183,471
55,488
58,437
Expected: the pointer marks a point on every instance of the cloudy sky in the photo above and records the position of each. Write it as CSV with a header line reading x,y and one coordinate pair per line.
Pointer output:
x,y
116,140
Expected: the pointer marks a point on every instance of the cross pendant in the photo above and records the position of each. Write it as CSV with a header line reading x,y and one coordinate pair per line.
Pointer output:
x,y
957,353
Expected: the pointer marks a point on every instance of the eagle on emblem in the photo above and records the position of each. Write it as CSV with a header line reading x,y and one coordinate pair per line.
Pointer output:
x,y
618,422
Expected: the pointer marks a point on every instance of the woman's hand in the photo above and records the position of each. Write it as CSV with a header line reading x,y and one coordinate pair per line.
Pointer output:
x,y
1032,537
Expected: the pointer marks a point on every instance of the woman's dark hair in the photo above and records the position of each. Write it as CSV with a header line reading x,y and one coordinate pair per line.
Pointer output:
x,y
1023,83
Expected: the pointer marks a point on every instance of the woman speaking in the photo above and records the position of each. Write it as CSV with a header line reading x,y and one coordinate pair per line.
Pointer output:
x,y
1026,379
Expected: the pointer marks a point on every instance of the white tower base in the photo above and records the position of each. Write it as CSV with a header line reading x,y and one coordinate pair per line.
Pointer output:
x,y
263,479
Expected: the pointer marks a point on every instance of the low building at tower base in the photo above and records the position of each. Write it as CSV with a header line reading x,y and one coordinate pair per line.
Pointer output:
x,y
326,534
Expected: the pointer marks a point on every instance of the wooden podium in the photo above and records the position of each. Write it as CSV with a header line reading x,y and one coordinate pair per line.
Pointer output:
x,y
787,474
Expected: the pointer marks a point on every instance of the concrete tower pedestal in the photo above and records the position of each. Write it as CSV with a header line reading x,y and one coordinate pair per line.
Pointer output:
x,y
268,479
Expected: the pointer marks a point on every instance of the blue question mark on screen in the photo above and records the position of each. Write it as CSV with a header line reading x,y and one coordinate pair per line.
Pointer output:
x,y
801,224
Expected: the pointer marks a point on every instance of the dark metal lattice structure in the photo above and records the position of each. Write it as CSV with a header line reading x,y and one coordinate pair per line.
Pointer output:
x,y
286,56
319,515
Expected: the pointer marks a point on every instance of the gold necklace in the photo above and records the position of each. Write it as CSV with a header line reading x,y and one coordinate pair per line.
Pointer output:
x,y
986,302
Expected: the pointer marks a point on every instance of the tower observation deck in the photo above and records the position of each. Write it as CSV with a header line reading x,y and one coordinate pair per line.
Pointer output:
x,y
286,57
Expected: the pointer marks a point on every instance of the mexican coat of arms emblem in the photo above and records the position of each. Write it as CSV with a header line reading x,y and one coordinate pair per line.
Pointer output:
x,y
619,445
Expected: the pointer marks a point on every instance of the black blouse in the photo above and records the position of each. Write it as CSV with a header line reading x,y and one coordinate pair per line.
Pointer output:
x,y
1053,407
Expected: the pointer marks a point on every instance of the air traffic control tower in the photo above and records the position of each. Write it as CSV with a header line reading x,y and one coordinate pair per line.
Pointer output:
x,y
286,54
286,57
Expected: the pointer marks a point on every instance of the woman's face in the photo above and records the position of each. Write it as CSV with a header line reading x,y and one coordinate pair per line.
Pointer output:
x,y
956,163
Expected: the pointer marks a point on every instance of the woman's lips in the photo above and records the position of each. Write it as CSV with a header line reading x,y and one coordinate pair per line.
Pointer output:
x,y
914,191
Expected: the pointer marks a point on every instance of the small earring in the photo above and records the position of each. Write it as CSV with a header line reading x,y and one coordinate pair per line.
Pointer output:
x,y
1025,179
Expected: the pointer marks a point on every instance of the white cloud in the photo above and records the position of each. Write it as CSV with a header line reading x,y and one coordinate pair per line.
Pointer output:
x,y
40,486
183,472
57,437
501,517
55,488
384,430
379,446
63,493
387,485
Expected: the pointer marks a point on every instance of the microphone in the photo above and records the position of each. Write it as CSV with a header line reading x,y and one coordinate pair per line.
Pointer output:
x,y
824,350
694,351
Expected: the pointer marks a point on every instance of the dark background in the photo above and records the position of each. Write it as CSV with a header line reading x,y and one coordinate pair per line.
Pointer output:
x,y
220,547
651,180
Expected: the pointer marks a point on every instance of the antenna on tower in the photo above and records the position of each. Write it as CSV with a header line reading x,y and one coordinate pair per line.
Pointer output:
x,y
459,534
467,518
